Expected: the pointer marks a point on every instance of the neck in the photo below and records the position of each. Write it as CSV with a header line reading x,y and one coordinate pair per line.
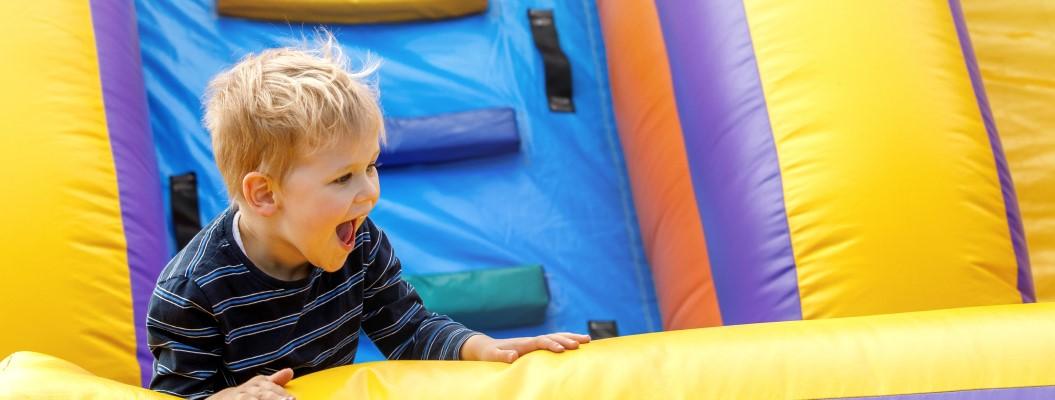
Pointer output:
x,y
268,251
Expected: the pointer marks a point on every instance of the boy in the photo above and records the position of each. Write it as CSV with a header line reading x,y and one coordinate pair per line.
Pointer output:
x,y
281,283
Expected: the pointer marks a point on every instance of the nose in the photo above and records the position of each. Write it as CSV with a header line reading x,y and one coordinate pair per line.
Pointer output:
x,y
368,189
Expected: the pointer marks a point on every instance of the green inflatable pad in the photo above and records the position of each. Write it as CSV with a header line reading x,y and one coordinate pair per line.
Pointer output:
x,y
488,298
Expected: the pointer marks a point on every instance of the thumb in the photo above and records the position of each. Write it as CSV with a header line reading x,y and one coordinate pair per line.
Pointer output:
x,y
282,377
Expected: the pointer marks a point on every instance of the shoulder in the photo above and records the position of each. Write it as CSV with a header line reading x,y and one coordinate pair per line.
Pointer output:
x,y
371,239
179,292
206,253
369,228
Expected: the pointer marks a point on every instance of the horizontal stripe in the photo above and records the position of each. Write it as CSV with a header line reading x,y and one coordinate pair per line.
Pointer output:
x,y
185,332
372,255
392,281
401,349
388,265
294,344
249,330
220,273
347,341
199,375
343,288
172,298
397,325
177,346
254,298
201,250
194,395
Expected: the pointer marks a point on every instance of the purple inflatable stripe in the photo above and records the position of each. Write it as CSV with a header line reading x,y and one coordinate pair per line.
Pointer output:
x,y
124,98
733,160
1007,186
1020,393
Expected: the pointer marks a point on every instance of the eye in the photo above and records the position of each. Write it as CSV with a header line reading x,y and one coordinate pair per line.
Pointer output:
x,y
344,178
373,167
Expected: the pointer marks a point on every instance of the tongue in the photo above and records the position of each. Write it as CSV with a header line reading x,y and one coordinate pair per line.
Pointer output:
x,y
344,232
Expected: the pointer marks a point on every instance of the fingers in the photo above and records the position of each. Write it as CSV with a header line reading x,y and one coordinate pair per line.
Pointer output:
x,y
564,341
581,338
274,392
547,343
558,342
281,378
509,350
264,387
575,336
506,356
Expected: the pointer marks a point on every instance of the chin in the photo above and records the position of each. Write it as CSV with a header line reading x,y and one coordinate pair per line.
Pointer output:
x,y
333,266
333,269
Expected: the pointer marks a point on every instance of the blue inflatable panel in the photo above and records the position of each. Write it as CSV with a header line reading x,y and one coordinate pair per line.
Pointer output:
x,y
450,137
562,200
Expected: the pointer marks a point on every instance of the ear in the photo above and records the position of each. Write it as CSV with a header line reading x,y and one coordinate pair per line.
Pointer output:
x,y
259,192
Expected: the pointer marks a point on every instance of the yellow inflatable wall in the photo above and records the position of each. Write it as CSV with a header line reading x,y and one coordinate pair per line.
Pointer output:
x,y
968,352
66,285
1014,41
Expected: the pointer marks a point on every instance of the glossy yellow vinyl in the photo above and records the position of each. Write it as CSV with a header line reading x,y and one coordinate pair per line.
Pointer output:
x,y
65,287
944,350
1007,346
890,185
30,375
1013,40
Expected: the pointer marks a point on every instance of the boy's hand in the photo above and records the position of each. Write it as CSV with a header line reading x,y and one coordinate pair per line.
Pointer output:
x,y
485,348
260,387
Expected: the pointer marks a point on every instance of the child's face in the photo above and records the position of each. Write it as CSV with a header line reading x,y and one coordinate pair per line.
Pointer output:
x,y
326,197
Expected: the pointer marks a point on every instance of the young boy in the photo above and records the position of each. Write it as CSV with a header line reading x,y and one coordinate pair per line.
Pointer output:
x,y
281,283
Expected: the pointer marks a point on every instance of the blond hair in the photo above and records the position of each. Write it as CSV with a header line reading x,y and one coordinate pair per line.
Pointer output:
x,y
284,102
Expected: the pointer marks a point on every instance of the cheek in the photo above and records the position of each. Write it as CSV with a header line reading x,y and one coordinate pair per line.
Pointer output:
x,y
331,210
319,217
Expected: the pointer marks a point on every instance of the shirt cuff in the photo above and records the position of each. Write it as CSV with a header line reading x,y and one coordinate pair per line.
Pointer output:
x,y
459,337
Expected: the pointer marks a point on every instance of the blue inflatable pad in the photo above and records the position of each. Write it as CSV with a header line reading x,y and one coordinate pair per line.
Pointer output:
x,y
450,137
561,200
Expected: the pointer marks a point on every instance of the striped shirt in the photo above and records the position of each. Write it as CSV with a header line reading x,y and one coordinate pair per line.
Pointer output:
x,y
215,320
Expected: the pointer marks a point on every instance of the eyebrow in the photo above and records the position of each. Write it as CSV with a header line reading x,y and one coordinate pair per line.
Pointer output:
x,y
351,165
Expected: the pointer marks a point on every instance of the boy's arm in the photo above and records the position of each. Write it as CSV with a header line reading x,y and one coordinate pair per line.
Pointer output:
x,y
185,341
394,316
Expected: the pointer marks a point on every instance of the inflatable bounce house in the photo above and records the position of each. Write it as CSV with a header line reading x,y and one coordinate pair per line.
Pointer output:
x,y
736,198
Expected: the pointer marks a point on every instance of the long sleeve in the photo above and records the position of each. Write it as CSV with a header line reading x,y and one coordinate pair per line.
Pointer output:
x,y
185,340
395,318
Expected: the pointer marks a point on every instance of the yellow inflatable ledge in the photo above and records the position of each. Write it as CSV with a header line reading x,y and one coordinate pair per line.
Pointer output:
x,y
967,349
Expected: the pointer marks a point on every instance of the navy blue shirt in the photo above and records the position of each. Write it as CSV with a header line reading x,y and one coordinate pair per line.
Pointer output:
x,y
215,320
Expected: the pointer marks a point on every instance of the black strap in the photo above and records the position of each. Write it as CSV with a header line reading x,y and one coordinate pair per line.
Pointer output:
x,y
602,329
558,69
183,197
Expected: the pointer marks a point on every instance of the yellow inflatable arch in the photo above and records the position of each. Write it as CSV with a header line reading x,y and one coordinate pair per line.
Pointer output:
x,y
82,233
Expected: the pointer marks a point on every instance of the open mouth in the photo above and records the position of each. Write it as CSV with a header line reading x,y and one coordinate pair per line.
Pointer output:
x,y
346,231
